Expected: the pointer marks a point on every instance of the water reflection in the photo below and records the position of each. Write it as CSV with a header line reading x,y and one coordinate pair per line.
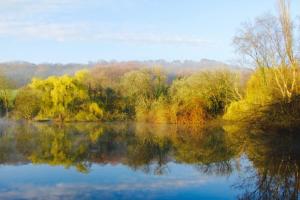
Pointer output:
x,y
274,171
136,145
267,162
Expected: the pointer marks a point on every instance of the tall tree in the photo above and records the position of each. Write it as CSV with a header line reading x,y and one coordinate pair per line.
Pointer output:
x,y
269,43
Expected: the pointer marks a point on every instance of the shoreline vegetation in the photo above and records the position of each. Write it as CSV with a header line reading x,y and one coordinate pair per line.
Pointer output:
x,y
143,95
269,97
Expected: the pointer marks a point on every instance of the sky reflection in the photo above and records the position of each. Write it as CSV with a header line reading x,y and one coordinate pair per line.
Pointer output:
x,y
109,182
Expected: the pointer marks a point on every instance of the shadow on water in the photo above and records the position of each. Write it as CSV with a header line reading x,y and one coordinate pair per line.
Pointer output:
x,y
268,162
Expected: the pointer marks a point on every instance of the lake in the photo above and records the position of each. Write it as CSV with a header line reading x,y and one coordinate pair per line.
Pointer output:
x,y
146,161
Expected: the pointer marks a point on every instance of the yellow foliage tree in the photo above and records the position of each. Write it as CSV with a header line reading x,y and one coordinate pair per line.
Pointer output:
x,y
66,98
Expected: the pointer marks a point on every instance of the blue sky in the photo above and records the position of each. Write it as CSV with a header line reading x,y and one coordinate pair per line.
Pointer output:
x,y
90,30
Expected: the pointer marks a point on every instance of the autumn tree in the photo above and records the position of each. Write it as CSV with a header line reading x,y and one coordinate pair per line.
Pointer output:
x,y
141,88
273,90
137,86
66,98
27,104
269,43
205,94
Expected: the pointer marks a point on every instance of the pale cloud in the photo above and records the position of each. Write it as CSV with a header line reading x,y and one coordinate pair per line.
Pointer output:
x,y
154,39
37,19
35,5
27,30
71,191
90,32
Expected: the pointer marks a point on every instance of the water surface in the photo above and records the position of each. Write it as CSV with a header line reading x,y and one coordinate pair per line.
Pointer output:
x,y
144,161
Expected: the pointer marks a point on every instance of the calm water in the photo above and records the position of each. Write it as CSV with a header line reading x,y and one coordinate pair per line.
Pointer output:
x,y
143,161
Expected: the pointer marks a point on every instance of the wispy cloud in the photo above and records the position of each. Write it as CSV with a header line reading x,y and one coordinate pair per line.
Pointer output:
x,y
154,38
36,5
74,191
90,32
41,30
37,19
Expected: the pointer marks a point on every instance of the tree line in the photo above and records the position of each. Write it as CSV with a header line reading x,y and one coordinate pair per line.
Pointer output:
x,y
144,94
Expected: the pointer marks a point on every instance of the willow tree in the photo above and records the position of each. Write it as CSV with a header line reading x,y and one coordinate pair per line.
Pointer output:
x,y
269,44
66,98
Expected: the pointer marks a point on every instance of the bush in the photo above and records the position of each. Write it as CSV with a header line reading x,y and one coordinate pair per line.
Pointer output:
x,y
264,103
204,95
27,104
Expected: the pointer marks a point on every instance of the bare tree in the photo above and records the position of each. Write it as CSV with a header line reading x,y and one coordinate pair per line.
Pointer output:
x,y
269,43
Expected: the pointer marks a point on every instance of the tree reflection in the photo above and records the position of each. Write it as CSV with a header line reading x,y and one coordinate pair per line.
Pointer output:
x,y
150,150
274,169
268,161
140,146
208,149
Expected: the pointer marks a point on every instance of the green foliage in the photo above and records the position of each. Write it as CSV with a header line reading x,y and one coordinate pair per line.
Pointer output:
x,y
143,95
192,99
7,95
214,89
65,98
27,104
259,92
273,91
137,86
264,103
203,95
90,112
143,91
